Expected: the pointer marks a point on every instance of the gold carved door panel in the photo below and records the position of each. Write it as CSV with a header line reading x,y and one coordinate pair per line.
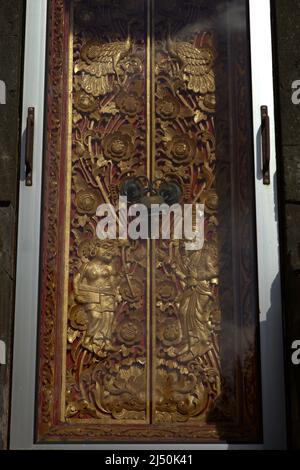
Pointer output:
x,y
144,340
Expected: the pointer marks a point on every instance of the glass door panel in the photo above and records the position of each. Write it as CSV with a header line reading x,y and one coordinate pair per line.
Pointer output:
x,y
146,340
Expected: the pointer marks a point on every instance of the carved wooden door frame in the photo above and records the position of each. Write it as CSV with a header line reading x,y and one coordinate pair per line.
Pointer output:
x,y
24,371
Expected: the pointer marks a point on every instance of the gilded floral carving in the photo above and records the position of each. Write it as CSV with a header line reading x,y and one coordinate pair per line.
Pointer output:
x,y
167,107
129,104
85,103
118,146
181,150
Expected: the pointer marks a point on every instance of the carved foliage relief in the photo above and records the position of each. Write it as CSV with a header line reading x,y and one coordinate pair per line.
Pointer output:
x,y
106,359
131,341
187,375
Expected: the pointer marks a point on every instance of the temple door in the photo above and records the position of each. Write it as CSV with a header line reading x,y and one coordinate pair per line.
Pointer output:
x,y
147,340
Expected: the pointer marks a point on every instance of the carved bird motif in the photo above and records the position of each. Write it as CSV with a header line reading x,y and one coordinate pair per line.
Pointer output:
x,y
196,65
100,64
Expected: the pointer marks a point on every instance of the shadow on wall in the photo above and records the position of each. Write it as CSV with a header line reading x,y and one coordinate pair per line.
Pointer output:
x,y
274,427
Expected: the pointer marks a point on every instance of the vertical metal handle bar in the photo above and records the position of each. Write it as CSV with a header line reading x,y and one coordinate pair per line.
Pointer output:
x,y
265,135
29,147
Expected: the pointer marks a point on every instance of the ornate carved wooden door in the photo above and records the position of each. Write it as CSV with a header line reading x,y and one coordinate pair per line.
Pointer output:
x,y
144,340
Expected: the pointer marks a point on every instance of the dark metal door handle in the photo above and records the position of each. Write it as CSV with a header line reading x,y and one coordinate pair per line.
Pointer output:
x,y
29,147
265,136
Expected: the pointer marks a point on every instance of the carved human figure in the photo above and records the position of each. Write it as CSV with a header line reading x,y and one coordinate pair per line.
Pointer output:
x,y
198,273
95,287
